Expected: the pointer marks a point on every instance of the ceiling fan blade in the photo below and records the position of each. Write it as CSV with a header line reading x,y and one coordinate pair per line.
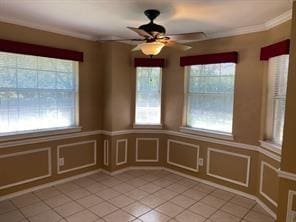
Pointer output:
x,y
141,32
119,40
188,36
174,44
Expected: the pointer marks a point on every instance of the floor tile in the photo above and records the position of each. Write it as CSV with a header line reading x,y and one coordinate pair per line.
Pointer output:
x,y
253,216
221,216
188,216
121,201
89,201
213,201
152,201
6,206
137,209
67,187
204,188
47,193
235,209
203,209
150,188
165,194
103,209
259,209
83,216
221,194
12,216
243,201
137,182
154,216
84,182
170,209
119,215
34,209
25,200
123,188
194,194
68,209
179,188
183,201
57,200
78,194
47,216
137,194
107,194
96,187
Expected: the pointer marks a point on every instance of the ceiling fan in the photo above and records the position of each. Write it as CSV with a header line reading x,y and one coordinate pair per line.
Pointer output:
x,y
154,36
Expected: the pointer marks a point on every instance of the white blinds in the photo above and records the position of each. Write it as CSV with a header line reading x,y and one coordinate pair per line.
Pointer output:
x,y
278,72
36,92
210,91
148,95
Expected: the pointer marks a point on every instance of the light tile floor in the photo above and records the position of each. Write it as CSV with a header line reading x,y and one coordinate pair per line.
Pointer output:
x,y
136,195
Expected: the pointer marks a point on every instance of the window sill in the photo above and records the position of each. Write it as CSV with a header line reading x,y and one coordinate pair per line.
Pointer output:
x,y
38,133
271,146
207,133
148,126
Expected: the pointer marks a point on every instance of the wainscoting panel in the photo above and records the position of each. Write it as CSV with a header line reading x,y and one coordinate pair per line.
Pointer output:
x,y
24,167
76,156
106,152
228,166
121,152
147,149
269,182
183,155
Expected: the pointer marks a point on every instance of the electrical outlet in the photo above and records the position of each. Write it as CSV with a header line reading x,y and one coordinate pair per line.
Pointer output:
x,y
200,161
62,162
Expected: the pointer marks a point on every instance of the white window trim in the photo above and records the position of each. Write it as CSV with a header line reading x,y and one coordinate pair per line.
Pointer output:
x,y
269,145
207,133
38,133
146,125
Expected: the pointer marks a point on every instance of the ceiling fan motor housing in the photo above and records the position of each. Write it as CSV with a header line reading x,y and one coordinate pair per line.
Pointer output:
x,y
152,27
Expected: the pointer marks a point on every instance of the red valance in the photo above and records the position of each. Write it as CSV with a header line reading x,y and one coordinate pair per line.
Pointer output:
x,y
277,49
226,57
149,62
38,50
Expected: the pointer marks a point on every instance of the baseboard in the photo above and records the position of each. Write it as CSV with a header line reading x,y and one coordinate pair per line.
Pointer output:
x,y
50,184
244,194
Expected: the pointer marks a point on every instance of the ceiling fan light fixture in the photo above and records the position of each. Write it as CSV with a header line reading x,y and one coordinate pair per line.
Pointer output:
x,y
151,48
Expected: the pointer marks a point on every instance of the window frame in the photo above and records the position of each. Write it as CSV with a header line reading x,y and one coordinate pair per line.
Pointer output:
x,y
267,141
51,131
148,126
199,131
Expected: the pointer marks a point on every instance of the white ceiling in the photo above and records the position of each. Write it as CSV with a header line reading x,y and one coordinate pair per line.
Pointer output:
x,y
97,19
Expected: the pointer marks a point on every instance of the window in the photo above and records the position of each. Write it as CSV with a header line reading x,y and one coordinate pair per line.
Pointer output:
x,y
148,96
37,93
210,90
276,100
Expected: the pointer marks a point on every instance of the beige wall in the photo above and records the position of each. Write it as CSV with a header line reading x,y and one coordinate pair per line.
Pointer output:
x,y
107,93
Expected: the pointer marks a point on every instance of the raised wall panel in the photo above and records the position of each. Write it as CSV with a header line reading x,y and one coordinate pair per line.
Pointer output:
x,y
106,152
228,166
269,182
76,156
183,155
147,149
24,167
121,151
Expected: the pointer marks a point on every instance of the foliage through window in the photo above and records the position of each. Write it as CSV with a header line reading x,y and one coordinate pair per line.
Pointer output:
x,y
148,96
277,88
36,92
210,90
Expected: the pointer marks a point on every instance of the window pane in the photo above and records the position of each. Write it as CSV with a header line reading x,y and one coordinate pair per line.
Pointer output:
x,y
210,97
36,93
148,96
277,89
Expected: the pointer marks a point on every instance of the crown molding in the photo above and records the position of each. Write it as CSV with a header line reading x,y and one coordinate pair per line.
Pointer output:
x,y
47,28
234,32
